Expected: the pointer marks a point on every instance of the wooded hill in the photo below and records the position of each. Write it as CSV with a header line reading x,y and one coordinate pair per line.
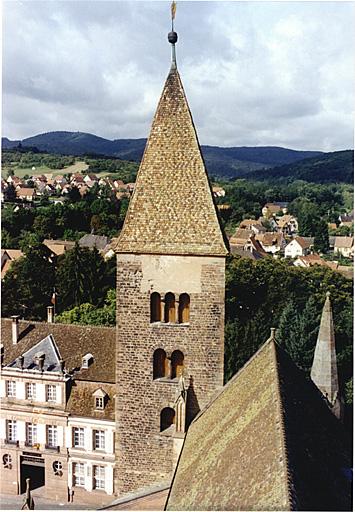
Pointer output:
x,y
337,167
222,162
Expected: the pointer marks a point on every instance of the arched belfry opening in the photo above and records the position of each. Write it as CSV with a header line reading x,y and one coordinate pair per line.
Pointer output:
x,y
160,364
177,364
169,309
184,308
155,307
167,418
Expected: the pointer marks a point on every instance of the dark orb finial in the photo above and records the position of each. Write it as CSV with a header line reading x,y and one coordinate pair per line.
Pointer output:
x,y
172,37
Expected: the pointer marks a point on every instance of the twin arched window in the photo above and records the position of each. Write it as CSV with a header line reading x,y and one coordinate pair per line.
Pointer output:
x,y
170,368
168,309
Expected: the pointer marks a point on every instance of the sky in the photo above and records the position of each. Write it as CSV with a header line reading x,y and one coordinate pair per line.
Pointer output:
x,y
255,73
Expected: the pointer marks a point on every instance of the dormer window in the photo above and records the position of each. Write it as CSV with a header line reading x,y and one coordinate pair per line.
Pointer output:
x,y
87,360
99,402
100,398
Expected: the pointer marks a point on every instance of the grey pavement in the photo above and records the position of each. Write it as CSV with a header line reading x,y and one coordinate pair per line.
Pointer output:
x,y
10,502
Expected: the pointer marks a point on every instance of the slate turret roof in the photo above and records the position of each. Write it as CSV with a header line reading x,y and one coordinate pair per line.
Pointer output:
x,y
268,441
172,209
324,371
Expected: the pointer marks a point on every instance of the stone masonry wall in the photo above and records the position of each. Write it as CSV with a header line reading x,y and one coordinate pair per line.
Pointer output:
x,y
145,456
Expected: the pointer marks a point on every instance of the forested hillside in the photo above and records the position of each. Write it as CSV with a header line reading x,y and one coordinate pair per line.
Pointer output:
x,y
223,162
330,167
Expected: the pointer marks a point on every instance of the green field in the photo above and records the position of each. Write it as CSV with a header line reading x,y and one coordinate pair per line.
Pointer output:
x,y
43,169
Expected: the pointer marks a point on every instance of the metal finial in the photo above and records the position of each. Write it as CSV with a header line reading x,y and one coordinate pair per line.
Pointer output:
x,y
273,331
172,36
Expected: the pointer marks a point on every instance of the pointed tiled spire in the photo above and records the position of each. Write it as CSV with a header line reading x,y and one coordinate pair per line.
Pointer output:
x,y
172,209
324,371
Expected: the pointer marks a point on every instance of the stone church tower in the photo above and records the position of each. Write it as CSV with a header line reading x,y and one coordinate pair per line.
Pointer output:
x,y
170,298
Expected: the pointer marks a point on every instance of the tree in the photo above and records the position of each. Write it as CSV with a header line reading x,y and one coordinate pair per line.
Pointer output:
x,y
10,193
28,285
74,195
87,314
321,237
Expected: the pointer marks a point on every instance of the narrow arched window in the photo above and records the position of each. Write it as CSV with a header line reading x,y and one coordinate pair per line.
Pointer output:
x,y
155,307
184,308
160,364
177,364
169,309
167,418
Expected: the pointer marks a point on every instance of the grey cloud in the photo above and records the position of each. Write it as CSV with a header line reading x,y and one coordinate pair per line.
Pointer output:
x,y
254,72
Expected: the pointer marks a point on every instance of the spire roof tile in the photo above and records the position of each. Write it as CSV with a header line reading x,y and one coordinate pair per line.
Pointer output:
x,y
172,209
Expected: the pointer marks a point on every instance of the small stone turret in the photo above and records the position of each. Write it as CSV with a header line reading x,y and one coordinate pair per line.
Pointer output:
x,y
324,371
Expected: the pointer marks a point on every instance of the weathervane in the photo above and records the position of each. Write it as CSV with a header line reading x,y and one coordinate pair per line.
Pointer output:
x,y
172,36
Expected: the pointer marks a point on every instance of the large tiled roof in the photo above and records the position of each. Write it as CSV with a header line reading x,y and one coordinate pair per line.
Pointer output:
x,y
73,342
82,402
172,209
267,442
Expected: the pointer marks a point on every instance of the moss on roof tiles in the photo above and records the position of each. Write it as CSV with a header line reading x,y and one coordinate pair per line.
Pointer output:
x,y
233,456
266,442
172,209
82,402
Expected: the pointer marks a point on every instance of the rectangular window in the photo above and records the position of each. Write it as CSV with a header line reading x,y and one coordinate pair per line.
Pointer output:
x,y
78,474
31,434
51,393
99,439
30,391
52,436
11,388
78,437
100,403
99,477
11,430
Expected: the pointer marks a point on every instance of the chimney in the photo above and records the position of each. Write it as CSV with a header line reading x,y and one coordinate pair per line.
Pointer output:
x,y
50,314
39,360
15,329
62,365
21,360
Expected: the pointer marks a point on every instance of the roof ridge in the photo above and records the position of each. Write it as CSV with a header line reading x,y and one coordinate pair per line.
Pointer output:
x,y
36,322
281,427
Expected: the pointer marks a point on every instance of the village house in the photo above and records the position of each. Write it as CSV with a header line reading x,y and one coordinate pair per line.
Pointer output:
x,y
90,180
272,243
287,224
347,219
26,194
218,191
272,209
8,256
240,237
344,245
58,247
252,225
297,247
90,241
313,259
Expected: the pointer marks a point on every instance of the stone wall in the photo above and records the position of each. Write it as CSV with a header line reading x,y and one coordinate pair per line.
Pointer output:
x,y
144,455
